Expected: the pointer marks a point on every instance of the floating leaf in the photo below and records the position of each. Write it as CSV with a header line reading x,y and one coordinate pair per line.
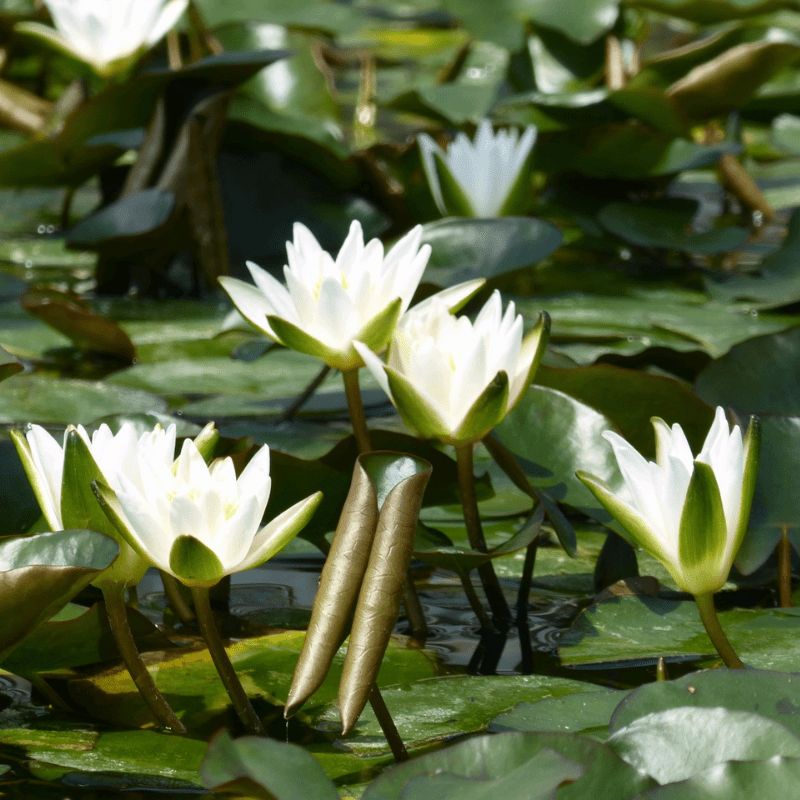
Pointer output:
x,y
673,745
40,574
264,768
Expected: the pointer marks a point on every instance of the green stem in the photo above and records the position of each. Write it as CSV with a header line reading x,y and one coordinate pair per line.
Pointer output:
x,y
525,581
305,395
114,597
356,409
472,595
174,593
708,615
469,502
416,617
387,724
236,692
785,571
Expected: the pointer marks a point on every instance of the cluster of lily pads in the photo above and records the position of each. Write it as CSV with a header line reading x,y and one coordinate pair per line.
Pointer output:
x,y
218,128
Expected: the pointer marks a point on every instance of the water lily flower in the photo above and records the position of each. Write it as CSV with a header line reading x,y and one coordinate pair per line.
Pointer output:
x,y
453,379
484,178
44,459
109,35
689,513
200,523
326,304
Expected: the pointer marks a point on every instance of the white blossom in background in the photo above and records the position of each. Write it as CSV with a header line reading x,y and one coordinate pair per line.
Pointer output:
x,y
480,178
109,35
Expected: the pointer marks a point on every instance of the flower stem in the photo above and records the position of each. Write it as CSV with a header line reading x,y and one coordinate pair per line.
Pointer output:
x,y
387,724
356,409
708,616
469,502
472,595
236,692
785,571
114,598
173,591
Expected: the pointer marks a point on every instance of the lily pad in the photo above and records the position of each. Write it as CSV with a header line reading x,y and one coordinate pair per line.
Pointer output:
x,y
673,745
33,398
436,710
464,249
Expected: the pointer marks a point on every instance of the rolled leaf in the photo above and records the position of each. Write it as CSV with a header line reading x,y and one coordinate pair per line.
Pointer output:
x,y
338,589
378,607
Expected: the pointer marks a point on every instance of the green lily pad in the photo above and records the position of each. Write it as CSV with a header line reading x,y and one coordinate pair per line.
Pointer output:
x,y
33,398
758,376
554,436
80,637
666,224
630,398
442,708
673,745
40,574
637,631
735,780
464,249
489,757
188,680
588,713
770,694
264,767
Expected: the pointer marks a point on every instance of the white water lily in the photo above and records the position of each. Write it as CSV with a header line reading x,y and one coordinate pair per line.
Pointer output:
x,y
689,513
326,304
44,460
107,34
484,178
199,522
453,379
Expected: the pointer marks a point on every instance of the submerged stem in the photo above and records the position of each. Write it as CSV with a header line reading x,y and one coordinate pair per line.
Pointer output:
x,y
114,598
469,502
708,616
356,409
241,702
387,724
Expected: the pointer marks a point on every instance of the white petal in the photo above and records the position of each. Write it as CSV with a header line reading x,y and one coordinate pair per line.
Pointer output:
x,y
48,460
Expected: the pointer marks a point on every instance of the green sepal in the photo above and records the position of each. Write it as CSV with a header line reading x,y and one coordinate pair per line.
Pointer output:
x,y
752,452
518,199
456,297
486,412
536,339
377,331
454,198
414,409
80,508
635,525
296,339
26,457
206,441
703,534
193,564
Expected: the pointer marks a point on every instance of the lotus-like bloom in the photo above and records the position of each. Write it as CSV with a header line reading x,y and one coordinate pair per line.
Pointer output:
x,y
200,523
689,513
107,34
328,304
44,458
486,178
453,379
